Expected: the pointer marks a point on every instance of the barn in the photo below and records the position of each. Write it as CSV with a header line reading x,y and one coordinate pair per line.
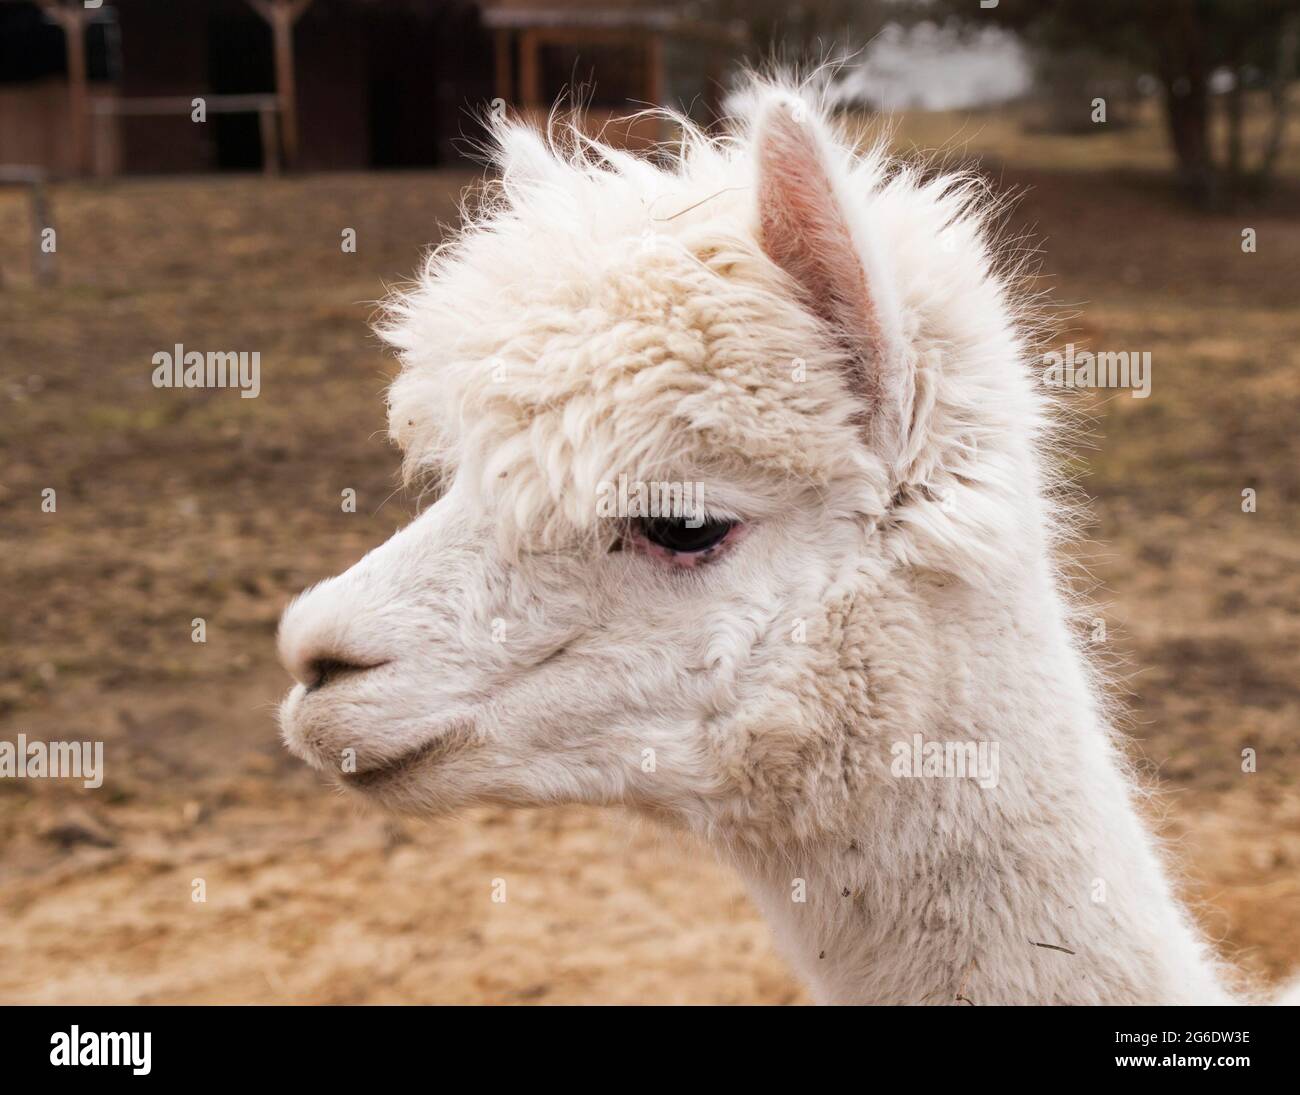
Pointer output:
x,y
150,86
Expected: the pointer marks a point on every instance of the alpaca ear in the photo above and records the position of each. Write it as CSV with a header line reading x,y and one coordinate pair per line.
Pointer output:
x,y
805,227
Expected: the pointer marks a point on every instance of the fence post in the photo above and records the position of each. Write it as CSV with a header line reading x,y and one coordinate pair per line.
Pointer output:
x,y
266,124
42,261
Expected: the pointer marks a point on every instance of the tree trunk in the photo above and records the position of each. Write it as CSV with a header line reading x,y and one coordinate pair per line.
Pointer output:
x,y
1187,115
1287,47
1235,109
1184,72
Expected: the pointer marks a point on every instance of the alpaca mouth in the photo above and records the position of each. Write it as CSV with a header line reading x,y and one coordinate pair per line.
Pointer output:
x,y
412,759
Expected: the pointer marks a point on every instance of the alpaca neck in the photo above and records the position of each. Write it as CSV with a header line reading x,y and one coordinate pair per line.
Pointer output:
x,y
932,888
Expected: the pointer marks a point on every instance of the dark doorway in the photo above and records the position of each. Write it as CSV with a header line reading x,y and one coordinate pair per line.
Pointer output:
x,y
32,47
403,87
239,63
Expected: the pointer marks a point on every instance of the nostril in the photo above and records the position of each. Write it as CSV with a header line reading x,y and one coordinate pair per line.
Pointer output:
x,y
321,671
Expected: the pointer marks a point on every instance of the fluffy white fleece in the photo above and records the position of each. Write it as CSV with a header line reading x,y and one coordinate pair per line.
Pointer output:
x,y
825,341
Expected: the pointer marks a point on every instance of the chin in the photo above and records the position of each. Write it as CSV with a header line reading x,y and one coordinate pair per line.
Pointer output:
x,y
408,794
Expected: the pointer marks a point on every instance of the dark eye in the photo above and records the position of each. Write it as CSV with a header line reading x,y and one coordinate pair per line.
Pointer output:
x,y
676,533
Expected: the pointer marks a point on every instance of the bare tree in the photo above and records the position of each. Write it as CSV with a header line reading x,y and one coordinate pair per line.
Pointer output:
x,y
1183,43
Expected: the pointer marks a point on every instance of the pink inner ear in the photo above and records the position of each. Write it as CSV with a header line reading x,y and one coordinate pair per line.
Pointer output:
x,y
803,230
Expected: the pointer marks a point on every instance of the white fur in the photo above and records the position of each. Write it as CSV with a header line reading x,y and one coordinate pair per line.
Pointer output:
x,y
604,315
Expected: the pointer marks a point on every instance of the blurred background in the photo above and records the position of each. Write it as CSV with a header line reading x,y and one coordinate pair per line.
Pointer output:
x,y
186,173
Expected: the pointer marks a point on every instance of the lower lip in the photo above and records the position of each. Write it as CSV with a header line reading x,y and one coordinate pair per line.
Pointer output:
x,y
407,762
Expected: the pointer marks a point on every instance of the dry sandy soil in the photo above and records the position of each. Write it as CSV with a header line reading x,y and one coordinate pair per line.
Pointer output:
x,y
175,505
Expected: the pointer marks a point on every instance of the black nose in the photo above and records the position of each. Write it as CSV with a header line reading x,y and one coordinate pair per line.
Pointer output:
x,y
321,671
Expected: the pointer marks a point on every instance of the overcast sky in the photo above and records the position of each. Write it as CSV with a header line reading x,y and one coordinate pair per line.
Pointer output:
x,y
930,68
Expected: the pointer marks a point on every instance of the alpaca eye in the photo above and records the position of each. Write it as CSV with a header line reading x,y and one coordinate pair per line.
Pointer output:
x,y
676,534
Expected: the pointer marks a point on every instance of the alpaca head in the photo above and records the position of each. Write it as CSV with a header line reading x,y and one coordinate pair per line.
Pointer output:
x,y
688,422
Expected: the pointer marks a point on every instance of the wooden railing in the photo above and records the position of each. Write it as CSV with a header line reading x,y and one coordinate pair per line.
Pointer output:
x,y
266,107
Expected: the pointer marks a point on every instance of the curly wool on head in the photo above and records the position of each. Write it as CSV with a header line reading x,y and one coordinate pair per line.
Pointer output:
x,y
601,312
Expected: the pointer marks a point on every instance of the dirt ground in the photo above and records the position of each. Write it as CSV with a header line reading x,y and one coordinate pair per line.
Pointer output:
x,y
172,506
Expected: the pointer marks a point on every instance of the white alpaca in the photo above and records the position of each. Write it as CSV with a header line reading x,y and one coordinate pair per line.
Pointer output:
x,y
821,343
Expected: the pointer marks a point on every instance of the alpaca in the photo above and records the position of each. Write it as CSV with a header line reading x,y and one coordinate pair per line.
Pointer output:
x,y
848,664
